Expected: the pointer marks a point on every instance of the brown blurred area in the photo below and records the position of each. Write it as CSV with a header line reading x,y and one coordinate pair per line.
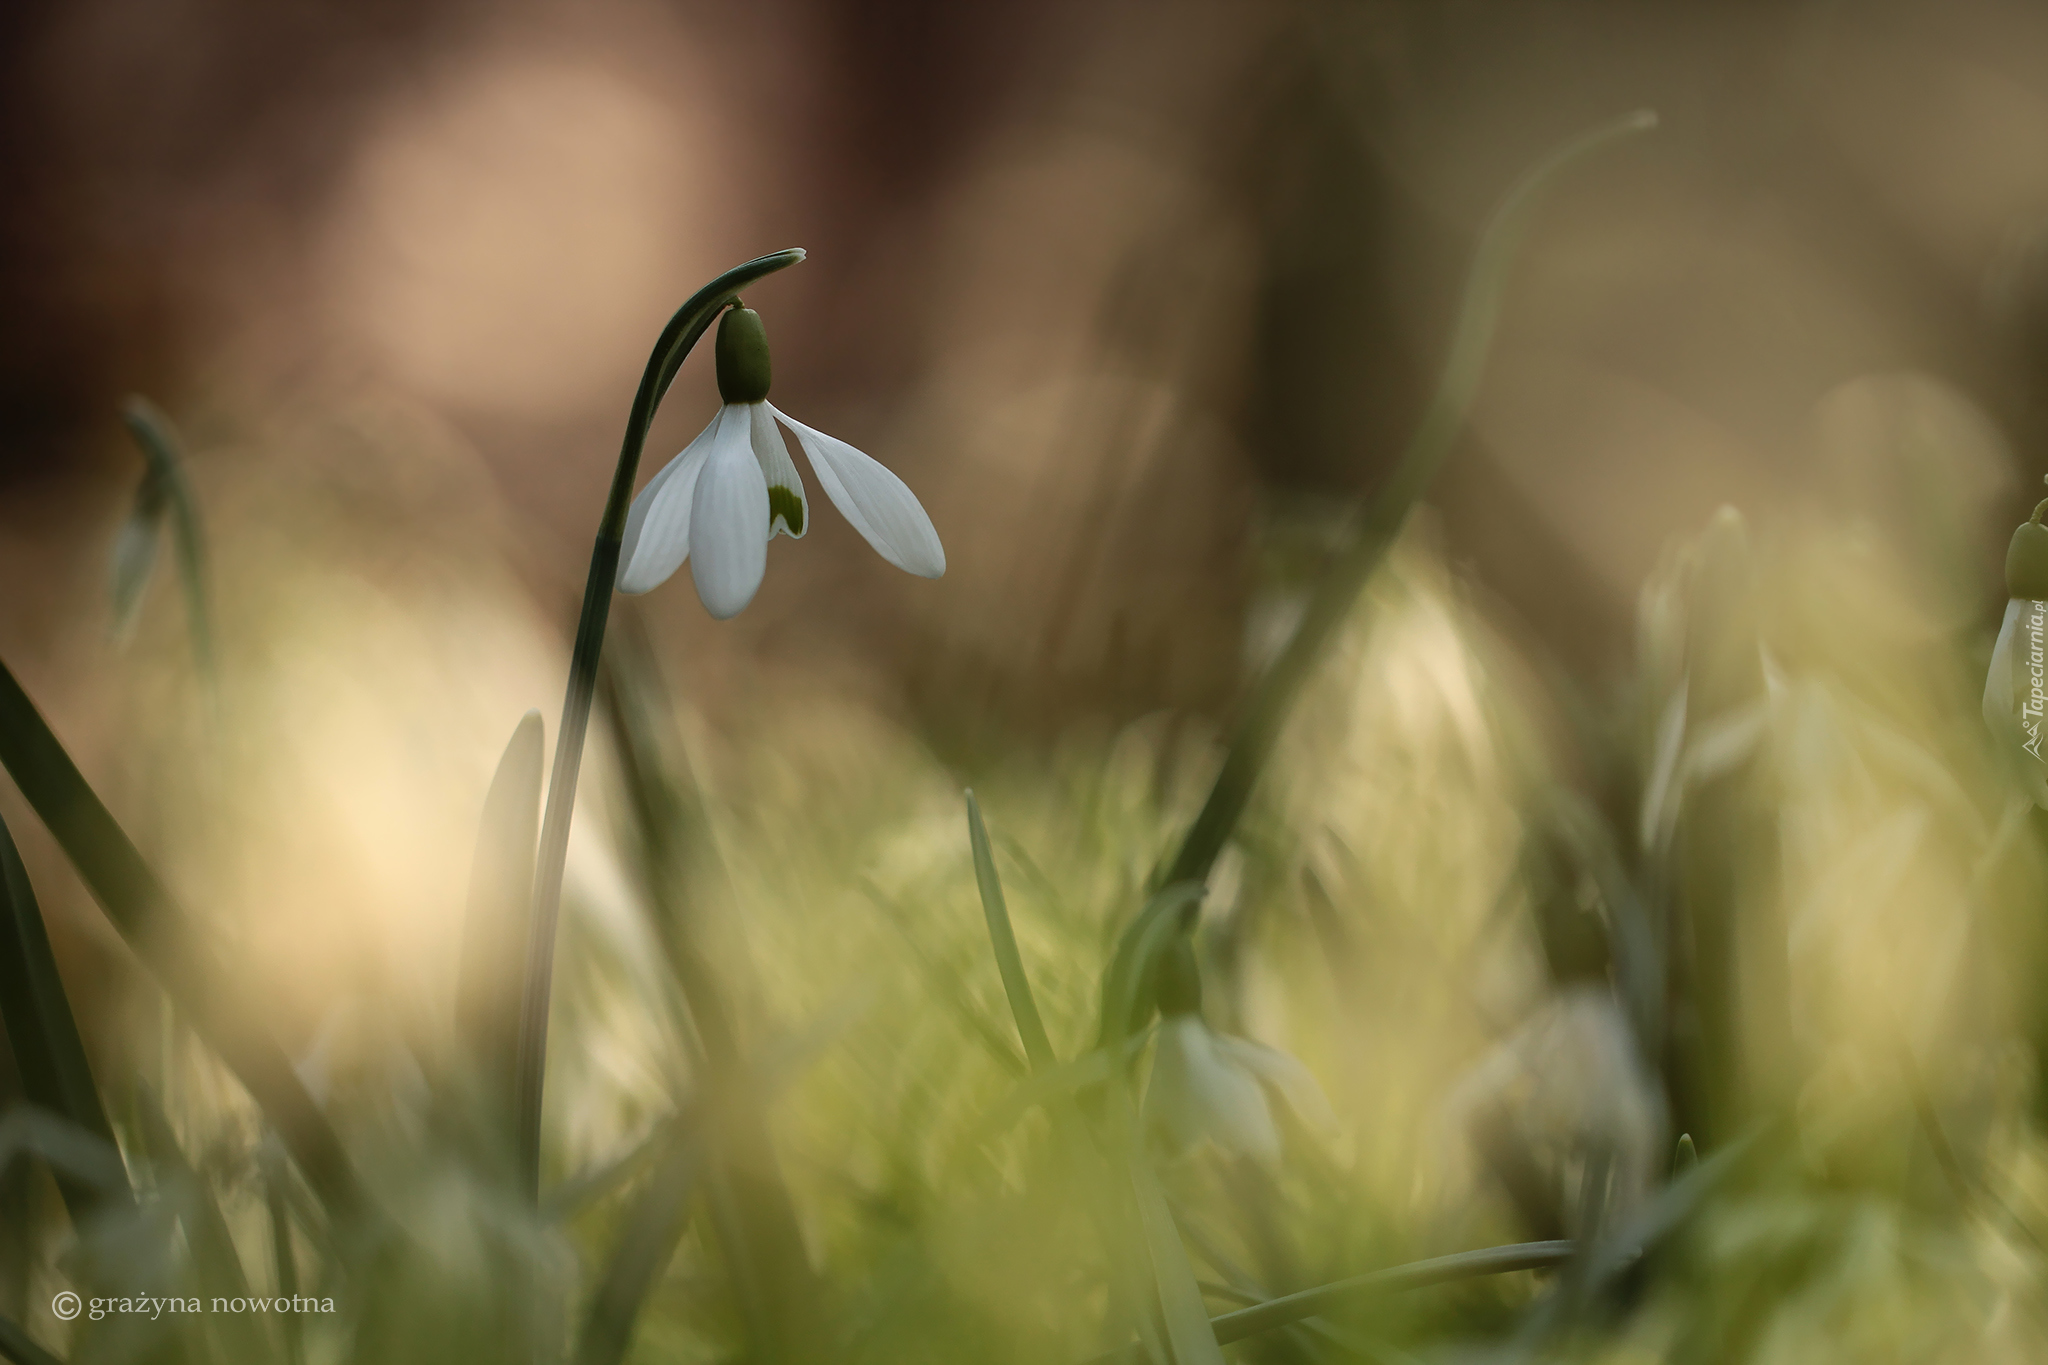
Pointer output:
x,y
1116,287
1091,276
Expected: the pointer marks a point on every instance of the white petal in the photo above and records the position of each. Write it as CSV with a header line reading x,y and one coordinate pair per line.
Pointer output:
x,y
786,501
1218,1098
134,559
1998,706
728,552
1295,1082
885,512
1999,680
1169,1097
658,526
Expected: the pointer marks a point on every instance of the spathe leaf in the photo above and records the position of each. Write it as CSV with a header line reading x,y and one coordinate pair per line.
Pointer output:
x,y
1126,1001
48,1050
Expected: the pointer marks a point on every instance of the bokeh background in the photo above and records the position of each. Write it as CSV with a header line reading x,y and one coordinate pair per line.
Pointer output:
x,y
1139,298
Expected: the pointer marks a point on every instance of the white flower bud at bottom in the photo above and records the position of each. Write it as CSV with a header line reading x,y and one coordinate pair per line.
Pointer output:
x,y
2016,692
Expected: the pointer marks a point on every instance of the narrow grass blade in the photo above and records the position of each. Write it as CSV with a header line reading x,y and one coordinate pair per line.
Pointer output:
x,y
497,925
1381,520
1291,1308
1186,1317
206,1231
572,1196
283,1259
1016,985
1180,1299
47,1047
165,484
1465,1265
153,923
1126,1003
643,1250
20,1348
1665,1213
73,1152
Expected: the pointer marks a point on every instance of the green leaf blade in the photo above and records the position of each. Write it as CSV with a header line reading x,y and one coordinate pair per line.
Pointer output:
x,y
153,923
642,1252
1192,1340
1003,939
166,494
48,1049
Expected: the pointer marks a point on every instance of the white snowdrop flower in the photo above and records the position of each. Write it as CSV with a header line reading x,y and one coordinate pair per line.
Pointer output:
x,y
1566,1089
734,488
1208,1085
2016,688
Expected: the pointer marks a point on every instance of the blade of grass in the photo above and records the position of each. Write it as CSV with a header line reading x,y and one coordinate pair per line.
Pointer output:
x,y
1016,984
643,1250
1291,1308
1186,1317
1598,1262
284,1261
66,1148
48,1050
159,930
573,1195
161,449
1665,1213
1464,1265
1376,526
206,1231
497,925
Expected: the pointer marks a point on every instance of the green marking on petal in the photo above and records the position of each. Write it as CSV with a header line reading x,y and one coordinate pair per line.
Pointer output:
x,y
786,504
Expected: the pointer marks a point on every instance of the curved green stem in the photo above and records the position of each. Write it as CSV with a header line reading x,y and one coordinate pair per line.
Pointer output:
x,y
1376,527
675,342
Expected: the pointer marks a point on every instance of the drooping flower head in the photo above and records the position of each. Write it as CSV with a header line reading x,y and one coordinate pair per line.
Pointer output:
x,y
734,489
1206,1085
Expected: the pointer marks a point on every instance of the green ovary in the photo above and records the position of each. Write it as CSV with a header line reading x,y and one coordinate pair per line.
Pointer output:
x,y
784,503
